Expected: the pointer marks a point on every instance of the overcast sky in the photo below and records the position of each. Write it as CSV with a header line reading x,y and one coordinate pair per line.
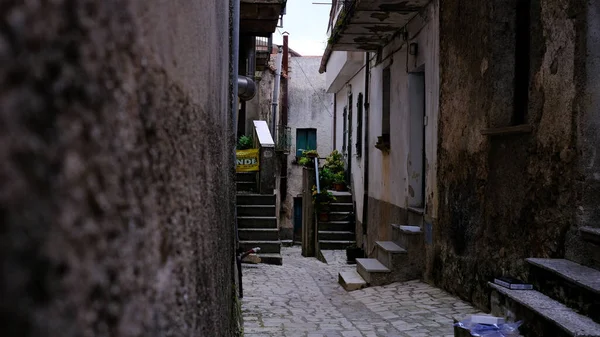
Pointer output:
x,y
307,25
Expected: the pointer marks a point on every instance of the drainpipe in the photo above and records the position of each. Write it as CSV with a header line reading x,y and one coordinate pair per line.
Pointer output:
x,y
284,113
235,50
276,89
367,147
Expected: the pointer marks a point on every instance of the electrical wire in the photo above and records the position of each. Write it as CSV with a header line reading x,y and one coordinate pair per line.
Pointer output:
x,y
314,90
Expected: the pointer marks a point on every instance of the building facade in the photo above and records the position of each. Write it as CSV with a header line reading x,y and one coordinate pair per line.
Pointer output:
x,y
477,123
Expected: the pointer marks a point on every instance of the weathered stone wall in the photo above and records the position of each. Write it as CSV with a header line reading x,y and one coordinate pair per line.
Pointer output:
x,y
504,198
115,198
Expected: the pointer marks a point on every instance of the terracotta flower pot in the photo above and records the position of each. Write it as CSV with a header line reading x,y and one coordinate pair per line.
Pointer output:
x,y
339,187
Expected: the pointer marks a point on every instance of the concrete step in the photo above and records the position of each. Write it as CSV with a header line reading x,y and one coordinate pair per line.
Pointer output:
x,y
257,222
335,244
336,235
345,197
410,238
387,252
336,226
590,234
541,315
373,271
272,258
265,246
568,282
246,176
255,199
258,234
351,280
341,216
245,186
340,207
256,210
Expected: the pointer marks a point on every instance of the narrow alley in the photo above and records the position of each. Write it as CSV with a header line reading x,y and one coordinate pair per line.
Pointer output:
x,y
302,298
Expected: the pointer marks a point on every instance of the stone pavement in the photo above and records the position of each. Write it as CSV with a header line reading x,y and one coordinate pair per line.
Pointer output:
x,y
303,298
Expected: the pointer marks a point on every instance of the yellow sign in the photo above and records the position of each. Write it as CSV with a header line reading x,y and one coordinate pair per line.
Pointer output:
x,y
247,160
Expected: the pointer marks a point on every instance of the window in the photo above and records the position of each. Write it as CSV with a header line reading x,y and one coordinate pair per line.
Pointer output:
x,y
385,116
359,125
306,139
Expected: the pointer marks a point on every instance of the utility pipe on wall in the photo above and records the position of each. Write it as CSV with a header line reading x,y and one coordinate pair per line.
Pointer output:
x,y
276,90
365,217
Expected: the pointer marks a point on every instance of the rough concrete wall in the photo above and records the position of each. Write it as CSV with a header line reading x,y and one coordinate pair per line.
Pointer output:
x,y
114,189
309,106
260,107
507,197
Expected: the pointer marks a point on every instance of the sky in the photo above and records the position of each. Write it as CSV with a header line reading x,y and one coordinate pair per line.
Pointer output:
x,y
307,25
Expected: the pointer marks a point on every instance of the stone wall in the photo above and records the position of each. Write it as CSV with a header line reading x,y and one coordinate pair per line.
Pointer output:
x,y
507,197
113,124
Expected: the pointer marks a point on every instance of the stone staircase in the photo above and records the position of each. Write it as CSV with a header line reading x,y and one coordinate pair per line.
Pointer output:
x,y
565,300
401,259
338,232
257,221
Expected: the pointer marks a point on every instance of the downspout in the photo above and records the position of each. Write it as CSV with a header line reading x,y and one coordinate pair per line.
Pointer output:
x,y
367,147
235,50
276,90
284,114
334,119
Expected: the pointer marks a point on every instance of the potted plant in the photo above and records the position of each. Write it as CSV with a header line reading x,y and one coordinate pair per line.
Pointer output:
x,y
321,202
334,162
310,153
353,252
305,161
326,178
244,143
339,181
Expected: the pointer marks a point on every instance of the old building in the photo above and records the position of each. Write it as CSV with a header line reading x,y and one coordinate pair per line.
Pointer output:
x,y
117,175
309,120
470,132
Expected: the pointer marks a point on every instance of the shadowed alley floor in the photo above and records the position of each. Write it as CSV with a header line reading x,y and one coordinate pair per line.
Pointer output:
x,y
303,298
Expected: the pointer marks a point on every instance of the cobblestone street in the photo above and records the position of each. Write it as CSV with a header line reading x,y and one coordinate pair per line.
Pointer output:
x,y
303,298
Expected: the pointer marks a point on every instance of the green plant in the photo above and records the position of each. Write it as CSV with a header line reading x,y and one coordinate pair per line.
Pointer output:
x,y
304,161
334,162
326,178
244,143
339,178
310,153
322,200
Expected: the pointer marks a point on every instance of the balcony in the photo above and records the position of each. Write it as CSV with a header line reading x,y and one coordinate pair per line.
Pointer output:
x,y
260,17
366,25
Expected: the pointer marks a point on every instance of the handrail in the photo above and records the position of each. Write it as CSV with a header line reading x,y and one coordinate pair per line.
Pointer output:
x,y
317,174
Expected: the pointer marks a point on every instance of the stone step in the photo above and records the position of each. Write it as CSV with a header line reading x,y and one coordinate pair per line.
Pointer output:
x,y
246,177
590,234
412,239
568,282
541,315
255,199
258,234
256,210
245,186
336,235
345,197
340,207
387,252
373,271
336,226
341,216
335,244
351,280
257,222
271,258
265,246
